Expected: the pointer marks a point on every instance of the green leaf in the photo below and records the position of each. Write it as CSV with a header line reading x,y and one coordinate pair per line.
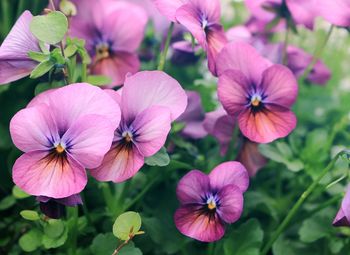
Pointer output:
x,y
246,240
315,228
161,158
282,247
270,152
104,244
57,57
30,241
42,69
54,242
50,28
70,50
7,202
54,228
68,8
130,249
99,80
127,225
38,56
30,215
18,193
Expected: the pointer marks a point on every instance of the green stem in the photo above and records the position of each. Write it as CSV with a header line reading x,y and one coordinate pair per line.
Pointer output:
x,y
317,54
83,72
86,210
108,197
5,17
211,248
285,47
299,203
166,47
73,212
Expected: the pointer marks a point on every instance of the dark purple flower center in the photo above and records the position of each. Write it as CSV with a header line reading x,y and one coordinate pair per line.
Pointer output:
x,y
255,101
126,135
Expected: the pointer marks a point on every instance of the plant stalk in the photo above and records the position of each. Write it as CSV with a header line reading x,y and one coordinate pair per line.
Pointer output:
x,y
166,48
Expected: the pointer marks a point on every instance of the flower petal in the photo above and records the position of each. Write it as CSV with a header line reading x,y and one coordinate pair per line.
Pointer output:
x,y
336,12
89,139
231,203
192,223
151,128
216,40
192,187
303,12
117,67
119,164
343,216
42,174
33,129
12,70
149,88
168,7
267,125
243,57
233,91
280,86
229,173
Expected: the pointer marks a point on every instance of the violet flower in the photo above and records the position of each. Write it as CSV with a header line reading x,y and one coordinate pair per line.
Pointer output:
x,y
55,208
14,61
343,216
208,202
111,37
61,133
337,12
149,101
256,92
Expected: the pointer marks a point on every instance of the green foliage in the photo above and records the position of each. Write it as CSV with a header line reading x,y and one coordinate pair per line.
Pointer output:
x,y
127,225
31,240
50,28
161,158
99,80
41,69
30,215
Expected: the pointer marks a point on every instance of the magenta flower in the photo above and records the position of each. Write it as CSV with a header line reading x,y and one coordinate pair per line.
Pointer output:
x,y
62,132
150,101
14,61
193,117
258,93
336,12
343,216
210,202
300,11
202,19
55,208
113,31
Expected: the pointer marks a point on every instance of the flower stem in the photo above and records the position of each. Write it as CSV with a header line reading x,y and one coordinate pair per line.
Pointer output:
x,y
164,54
108,197
120,247
285,47
317,54
299,203
73,212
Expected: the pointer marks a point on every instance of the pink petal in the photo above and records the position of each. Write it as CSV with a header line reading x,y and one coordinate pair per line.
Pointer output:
x,y
336,12
190,222
231,203
168,7
242,57
255,7
119,164
239,34
210,8
149,88
229,173
12,70
117,67
192,187
303,12
41,174
279,86
216,41
73,101
194,130
267,125
89,139
33,129
152,127
233,91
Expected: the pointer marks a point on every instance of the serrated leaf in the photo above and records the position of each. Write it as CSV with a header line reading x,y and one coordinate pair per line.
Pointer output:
x,y
42,69
18,193
30,215
30,241
127,225
161,158
50,28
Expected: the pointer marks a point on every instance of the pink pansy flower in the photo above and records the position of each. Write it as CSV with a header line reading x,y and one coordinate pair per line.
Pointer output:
x,y
208,202
113,31
202,19
150,101
62,132
14,61
256,92
193,117
55,208
336,12
343,216
300,11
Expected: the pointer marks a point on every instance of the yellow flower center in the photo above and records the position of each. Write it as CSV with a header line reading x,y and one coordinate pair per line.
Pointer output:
x,y
128,136
255,100
60,149
211,205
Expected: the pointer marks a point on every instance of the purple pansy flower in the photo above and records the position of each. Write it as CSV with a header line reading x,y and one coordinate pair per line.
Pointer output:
x,y
113,31
208,202
150,101
336,12
343,216
62,132
256,92
54,208
14,61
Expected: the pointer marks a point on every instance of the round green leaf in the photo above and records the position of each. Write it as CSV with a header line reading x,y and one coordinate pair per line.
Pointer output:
x,y
126,225
54,228
50,28
30,241
68,8
18,193
30,215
